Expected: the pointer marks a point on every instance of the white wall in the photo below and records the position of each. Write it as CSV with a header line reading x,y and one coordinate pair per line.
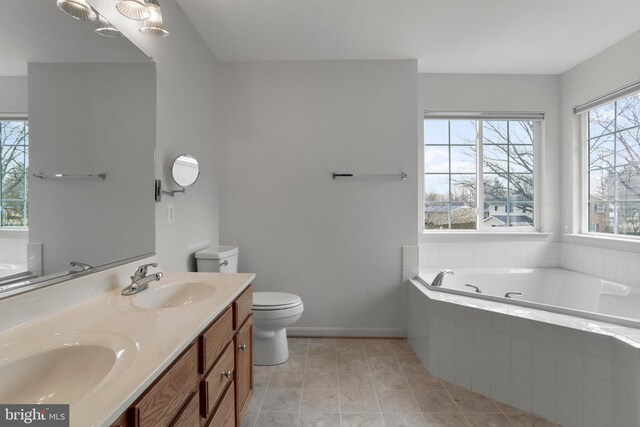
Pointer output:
x,y
336,243
13,94
609,70
87,119
186,76
474,92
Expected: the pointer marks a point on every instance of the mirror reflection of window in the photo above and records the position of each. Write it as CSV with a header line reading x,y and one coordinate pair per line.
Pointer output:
x,y
14,169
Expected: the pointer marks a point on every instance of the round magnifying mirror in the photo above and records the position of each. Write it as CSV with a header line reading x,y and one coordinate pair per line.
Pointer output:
x,y
185,170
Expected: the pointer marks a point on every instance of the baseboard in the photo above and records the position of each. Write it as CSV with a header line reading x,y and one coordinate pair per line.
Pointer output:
x,y
346,332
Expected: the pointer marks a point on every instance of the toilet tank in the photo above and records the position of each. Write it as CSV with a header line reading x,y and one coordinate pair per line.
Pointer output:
x,y
218,259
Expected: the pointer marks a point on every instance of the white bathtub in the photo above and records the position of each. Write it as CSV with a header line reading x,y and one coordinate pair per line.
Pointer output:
x,y
568,350
551,289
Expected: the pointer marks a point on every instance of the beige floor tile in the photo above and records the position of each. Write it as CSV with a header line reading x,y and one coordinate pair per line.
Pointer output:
x,y
321,378
355,380
295,363
256,399
435,401
261,376
281,400
472,403
377,347
421,381
298,343
319,419
389,381
352,364
319,400
446,420
397,402
404,420
383,363
317,343
361,420
358,401
488,420
249,419
528,420
287,379
322,361
277,419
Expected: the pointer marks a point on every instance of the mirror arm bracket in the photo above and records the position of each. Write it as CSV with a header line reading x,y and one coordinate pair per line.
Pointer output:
x,y
159,191
172,192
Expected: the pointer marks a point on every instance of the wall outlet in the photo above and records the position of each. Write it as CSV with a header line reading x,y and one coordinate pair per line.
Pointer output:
x,y
171,213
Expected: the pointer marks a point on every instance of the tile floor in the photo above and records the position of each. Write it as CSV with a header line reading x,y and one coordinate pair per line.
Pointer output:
x,y
367,383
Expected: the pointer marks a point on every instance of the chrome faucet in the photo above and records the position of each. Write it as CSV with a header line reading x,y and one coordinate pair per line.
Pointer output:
x,y
477,289
437,281
82,265
140,280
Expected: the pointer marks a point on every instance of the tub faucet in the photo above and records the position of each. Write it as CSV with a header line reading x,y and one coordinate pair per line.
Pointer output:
x,y
437,281
508,294
140,280
477,289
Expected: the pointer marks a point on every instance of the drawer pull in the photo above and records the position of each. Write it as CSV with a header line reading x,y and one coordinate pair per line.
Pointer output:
x,y
227,374
243,347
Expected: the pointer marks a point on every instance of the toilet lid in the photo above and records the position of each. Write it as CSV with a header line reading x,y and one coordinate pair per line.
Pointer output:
x,y
274,300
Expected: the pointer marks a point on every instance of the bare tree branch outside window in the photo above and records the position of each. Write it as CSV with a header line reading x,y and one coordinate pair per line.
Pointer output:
x,y
14,169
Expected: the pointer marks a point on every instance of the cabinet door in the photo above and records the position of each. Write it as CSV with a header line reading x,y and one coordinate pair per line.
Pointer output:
x,y
244,368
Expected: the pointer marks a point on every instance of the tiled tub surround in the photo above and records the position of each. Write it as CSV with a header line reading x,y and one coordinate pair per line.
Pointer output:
x,y
372,383
573,371
553,289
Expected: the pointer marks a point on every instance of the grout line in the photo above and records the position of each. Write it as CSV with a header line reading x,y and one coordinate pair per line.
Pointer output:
x,y
304,373
407,381
373,383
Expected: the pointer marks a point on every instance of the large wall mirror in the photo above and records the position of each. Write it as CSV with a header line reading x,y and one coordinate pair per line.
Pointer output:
x,y
77,141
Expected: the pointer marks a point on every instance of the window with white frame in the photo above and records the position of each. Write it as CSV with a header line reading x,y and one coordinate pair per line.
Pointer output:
x,y
613,167
14,169
479,173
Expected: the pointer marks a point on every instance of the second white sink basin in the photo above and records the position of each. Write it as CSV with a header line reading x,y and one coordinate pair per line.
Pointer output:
x,y
173,295
64,369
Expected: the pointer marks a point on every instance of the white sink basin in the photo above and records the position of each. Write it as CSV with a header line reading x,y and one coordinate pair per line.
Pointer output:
x,y
64,369
173,295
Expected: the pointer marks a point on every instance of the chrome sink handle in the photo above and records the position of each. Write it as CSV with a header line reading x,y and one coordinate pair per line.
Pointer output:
x,y
142,270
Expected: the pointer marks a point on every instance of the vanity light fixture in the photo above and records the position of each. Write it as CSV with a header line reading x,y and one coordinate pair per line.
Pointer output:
x,y
153,25
105,28
137,10
77,9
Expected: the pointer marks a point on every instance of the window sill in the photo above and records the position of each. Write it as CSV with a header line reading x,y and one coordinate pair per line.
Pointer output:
x,y
605,242
439,236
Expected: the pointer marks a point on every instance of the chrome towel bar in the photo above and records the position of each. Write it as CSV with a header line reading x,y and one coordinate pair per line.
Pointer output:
x,y
402,175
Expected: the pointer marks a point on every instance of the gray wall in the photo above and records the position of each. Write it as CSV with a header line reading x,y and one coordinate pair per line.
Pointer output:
x,y
337,244
84,119
14,95
186,75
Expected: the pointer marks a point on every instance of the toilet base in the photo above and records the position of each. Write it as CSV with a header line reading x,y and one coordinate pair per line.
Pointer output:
x,y
273,350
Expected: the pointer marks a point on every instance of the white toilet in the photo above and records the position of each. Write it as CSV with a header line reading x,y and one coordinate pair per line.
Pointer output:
x,y
273,312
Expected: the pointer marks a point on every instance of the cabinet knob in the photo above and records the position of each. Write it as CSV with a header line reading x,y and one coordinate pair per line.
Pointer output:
x,y
243,347
227,374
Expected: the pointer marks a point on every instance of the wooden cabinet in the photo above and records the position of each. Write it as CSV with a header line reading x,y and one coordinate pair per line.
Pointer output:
x,y
244,365
210,384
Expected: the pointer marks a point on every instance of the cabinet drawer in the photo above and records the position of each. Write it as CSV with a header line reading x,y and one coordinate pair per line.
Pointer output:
x,y
190,415
212,386
242,307
224,415
214,340
163,400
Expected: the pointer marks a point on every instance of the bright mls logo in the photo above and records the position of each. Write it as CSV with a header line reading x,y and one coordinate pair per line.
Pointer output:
x,y
34,415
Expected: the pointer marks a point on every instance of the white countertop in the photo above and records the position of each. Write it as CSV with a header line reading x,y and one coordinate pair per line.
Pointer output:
x,y
147,340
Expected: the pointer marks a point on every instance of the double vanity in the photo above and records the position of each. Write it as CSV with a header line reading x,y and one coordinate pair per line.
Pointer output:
x,y
178,353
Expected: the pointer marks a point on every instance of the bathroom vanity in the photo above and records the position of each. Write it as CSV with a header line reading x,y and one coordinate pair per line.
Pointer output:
x,y
178,353
210,383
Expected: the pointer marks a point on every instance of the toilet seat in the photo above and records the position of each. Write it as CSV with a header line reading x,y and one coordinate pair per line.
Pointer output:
x,y
269,301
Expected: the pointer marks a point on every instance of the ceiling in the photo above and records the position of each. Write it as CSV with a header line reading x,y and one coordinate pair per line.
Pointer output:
x,y
445,36
36,31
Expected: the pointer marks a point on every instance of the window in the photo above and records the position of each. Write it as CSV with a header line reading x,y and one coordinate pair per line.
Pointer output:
x,y
614,167
479,163
14,169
